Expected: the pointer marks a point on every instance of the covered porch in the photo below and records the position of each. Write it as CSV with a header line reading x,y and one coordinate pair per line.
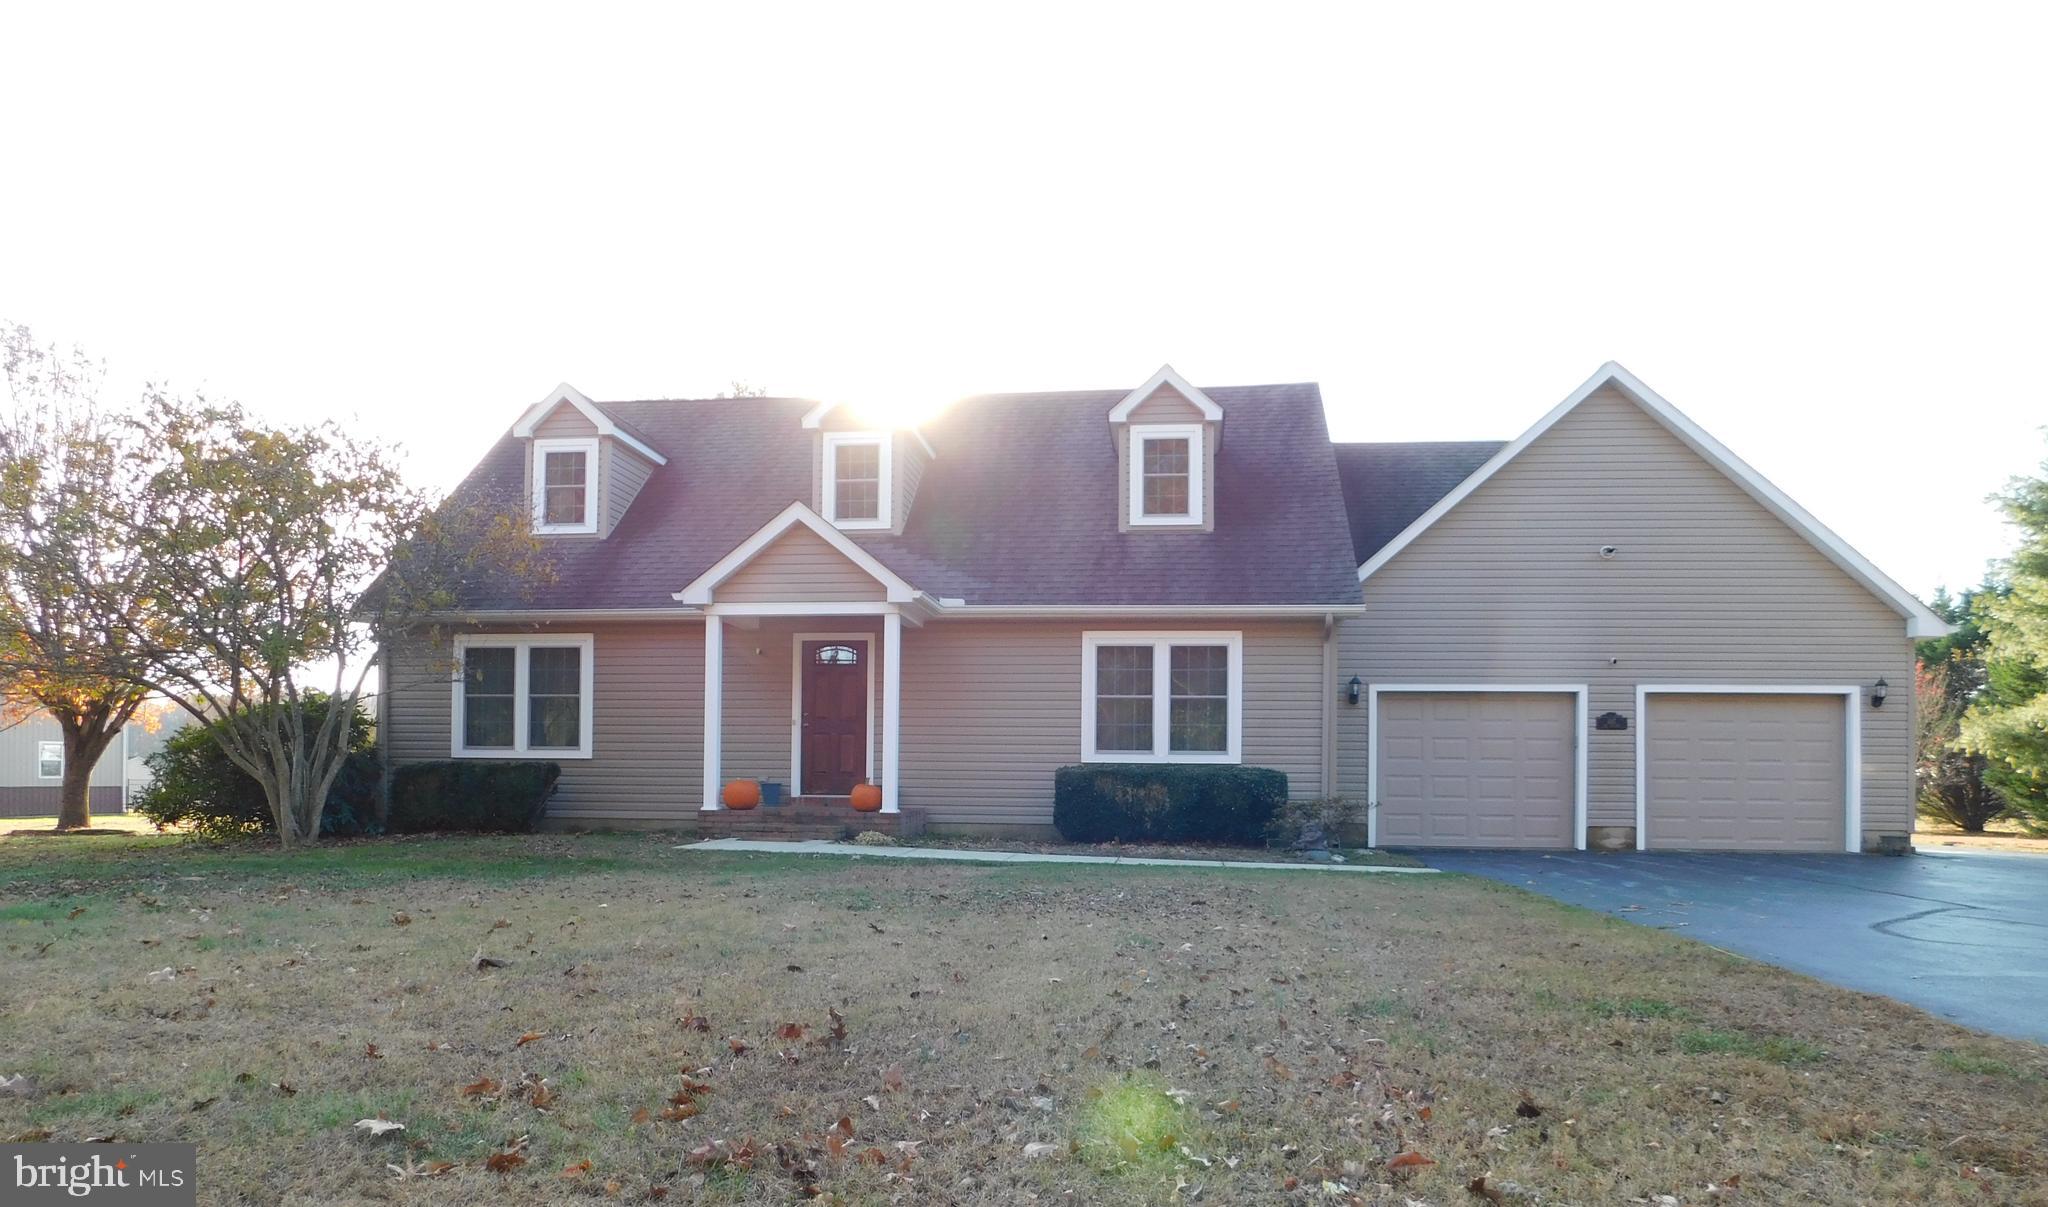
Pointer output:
x,y
803,672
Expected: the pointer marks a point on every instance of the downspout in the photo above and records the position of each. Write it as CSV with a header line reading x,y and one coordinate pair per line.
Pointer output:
x,y
124,768
1329,713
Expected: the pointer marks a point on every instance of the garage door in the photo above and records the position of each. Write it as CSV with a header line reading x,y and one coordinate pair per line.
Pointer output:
x,y
1475,769
1744,773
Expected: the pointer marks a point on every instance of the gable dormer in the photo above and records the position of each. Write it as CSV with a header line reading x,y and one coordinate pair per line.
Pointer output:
x,y
1166,433
864,476
583,467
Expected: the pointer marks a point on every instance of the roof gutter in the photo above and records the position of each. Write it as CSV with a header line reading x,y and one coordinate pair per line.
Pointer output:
x,y
939,610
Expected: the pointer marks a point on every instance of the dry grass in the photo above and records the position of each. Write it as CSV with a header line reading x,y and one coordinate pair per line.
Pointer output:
x,y
102,823
1312,1028
1162,850
1931,835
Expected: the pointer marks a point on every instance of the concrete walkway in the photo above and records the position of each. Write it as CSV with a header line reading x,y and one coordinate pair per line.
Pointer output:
x,y
820,847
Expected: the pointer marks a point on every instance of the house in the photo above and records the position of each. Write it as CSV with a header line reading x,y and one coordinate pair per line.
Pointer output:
x,y
1607,632
32,763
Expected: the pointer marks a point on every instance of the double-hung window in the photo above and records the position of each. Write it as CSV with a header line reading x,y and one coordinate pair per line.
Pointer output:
x,y
523,695
1162,697
50,760
564,486
1166,470
857,479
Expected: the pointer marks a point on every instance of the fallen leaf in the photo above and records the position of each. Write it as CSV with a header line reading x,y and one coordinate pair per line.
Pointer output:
x,y
695,1022
480,961
370,1052
642,1115
528,1038
479,1088
284,1087
1478,1187
1040,1149
577,1170
378,1127
504,1162
202,1104
74,913
738,1046
845,1126
501,924
1409,1160
892,1078
401,918
1528,1108
790,1031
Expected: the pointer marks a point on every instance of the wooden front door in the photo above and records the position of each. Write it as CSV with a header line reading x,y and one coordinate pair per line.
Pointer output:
x,y
835,716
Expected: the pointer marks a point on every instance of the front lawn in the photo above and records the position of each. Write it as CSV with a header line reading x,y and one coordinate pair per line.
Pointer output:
x,y
734,1028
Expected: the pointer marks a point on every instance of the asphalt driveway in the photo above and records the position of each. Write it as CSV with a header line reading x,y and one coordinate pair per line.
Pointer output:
x,y
1961,935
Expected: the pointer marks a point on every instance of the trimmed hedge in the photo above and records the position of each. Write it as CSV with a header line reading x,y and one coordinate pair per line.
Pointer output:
x,y
1167,802
467,794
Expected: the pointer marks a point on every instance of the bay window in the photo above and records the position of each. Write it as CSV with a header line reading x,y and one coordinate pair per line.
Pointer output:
x,y
524,695
1162,697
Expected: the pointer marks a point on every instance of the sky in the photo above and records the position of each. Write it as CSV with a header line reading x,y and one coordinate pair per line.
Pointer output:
x,y
1818,231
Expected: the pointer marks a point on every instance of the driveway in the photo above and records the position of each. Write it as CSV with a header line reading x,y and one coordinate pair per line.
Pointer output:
x,y
1963,936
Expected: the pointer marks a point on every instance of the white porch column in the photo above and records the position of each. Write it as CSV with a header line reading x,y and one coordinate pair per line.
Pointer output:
x,y
714,708
892,705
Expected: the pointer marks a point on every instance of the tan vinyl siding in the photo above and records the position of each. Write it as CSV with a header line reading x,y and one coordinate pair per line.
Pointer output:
x,y
621,474
647,734
760,694
992,709
798,567
1165,405
1707,588
910,460
564,420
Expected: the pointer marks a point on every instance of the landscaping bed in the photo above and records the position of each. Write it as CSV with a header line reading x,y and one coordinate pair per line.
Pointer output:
x,y
1163,850
758,1029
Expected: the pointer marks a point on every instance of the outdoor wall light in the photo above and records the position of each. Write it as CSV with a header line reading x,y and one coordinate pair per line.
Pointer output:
x,y
1351,690
1878,691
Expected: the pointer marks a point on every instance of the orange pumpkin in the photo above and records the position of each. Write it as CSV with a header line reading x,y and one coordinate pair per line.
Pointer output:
x,y
867,798
741,794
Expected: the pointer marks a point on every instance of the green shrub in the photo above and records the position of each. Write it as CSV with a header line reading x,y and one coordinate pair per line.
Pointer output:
x,y
193,783
1172,802
500,797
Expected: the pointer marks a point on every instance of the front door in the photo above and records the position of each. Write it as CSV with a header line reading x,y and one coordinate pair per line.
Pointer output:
x,y
835,716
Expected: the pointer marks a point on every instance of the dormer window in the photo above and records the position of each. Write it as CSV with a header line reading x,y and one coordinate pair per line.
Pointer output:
x,y
564,482
857,481
1166,479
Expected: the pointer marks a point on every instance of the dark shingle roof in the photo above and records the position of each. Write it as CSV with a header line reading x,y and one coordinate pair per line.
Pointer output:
x,y
1019,506
1386,486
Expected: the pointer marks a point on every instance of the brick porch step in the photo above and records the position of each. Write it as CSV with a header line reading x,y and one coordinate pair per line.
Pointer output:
x,y
807,817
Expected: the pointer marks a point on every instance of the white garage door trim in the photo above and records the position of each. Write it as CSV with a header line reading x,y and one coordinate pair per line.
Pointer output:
x,y
1372,747
1852,701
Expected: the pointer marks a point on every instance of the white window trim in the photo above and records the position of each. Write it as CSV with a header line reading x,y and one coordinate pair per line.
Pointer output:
x,y
1161,641
796,702
1578,692
587,445
885,488
1852,737
41,756
1197,470
522,644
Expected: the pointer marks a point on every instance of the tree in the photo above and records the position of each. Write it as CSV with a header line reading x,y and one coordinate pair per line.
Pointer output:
x,y
739,387
68,586
278,558
1949,776
2008,721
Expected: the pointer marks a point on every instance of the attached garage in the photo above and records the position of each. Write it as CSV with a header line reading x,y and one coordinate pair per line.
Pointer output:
x,y
1747,769
1477,767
